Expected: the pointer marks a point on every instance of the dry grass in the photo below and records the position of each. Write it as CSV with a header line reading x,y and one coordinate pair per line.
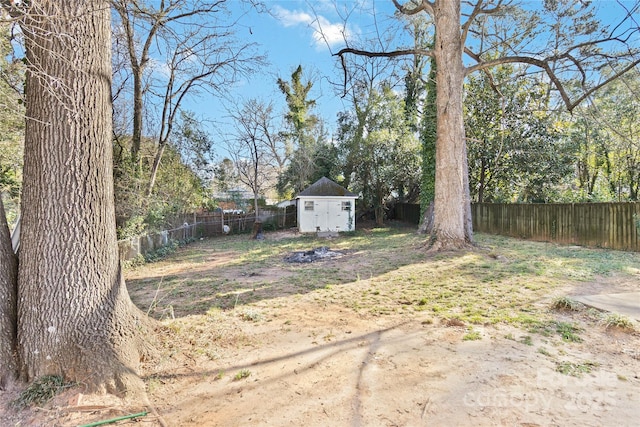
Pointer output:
x,y
385,271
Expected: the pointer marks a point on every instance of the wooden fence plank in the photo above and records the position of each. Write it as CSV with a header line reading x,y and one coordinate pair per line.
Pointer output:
x,y
606,225
603,225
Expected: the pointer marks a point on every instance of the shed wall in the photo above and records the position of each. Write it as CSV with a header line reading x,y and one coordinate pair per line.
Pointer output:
x,y
327,214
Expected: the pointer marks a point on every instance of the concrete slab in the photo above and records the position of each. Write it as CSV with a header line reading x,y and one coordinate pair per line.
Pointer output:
x,y
627,304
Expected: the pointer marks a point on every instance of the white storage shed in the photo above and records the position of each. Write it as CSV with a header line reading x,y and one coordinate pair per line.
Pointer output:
x,y
326,206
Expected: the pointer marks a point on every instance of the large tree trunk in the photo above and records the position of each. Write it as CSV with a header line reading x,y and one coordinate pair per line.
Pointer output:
x,y
8,282
451,229
75,317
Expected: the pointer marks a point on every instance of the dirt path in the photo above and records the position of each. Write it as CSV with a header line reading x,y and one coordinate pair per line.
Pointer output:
x,y
316,365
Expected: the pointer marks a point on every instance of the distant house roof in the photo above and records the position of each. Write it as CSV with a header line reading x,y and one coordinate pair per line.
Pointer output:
x,y
325,187
286,203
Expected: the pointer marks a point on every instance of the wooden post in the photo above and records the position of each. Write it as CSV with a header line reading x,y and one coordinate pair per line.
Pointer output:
x,y
257,230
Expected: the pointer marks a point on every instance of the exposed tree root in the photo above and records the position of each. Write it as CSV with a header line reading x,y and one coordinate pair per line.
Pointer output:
x,y
435,246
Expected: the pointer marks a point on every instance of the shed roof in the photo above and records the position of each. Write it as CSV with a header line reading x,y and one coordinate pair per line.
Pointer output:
x,y
325,187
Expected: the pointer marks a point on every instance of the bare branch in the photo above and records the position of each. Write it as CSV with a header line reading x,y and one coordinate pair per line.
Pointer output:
x,y
526,60
13,8
425,6
604,83
478,10
544,65
369,54
391,54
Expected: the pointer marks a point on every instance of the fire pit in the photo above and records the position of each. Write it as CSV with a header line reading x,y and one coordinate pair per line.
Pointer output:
x,y
316,254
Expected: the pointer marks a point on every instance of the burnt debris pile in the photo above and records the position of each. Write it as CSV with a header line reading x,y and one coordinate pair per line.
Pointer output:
x,y
316,254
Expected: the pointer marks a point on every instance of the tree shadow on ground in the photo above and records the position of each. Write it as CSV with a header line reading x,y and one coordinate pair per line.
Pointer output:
x,y
234,271
295,364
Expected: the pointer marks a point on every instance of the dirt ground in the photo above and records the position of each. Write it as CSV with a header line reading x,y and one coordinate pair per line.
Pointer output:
x,y
297,360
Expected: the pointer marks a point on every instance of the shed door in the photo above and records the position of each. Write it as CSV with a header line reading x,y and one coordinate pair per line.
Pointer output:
x,y
329,215
322,215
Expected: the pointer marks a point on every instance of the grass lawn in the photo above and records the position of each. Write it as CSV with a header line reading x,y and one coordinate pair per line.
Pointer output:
x,y
382,271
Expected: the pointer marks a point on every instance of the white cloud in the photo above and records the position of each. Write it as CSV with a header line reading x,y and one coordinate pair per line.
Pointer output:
x,y
331,34
290,18
324,31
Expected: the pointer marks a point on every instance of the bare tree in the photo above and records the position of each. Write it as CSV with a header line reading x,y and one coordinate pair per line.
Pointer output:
x,y
256,147
195,50
563,40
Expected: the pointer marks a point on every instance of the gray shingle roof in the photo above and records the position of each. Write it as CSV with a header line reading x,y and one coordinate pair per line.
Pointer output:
x,y
324,187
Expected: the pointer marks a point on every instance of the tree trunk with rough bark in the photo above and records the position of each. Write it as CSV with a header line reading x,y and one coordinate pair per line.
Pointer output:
x,y
8,282
451,229
75,317
136,135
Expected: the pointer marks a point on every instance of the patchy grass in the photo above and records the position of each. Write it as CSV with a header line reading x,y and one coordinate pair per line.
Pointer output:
x,y
614,320
526,340
472,335
250,315
242,374
232,303
609,320
544,351
384,271
567,331
576,369
566,303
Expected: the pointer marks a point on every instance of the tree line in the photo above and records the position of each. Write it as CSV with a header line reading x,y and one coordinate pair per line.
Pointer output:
x,y
521,147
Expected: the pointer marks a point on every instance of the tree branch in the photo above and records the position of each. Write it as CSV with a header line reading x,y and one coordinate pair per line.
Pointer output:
x,y
369,54
544,65
391,54
604,83
478,10
14,9
425,6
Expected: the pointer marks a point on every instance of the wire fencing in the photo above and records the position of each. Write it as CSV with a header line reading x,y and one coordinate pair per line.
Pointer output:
x,y
205,225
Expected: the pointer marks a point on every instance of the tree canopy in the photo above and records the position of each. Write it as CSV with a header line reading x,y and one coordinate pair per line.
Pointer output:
x,y
562,41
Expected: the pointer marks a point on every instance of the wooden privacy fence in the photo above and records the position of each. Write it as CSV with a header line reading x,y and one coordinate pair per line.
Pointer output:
x,y
604,225
407,212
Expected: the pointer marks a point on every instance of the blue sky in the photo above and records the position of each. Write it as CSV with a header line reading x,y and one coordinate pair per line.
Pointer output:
x,y
290,34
